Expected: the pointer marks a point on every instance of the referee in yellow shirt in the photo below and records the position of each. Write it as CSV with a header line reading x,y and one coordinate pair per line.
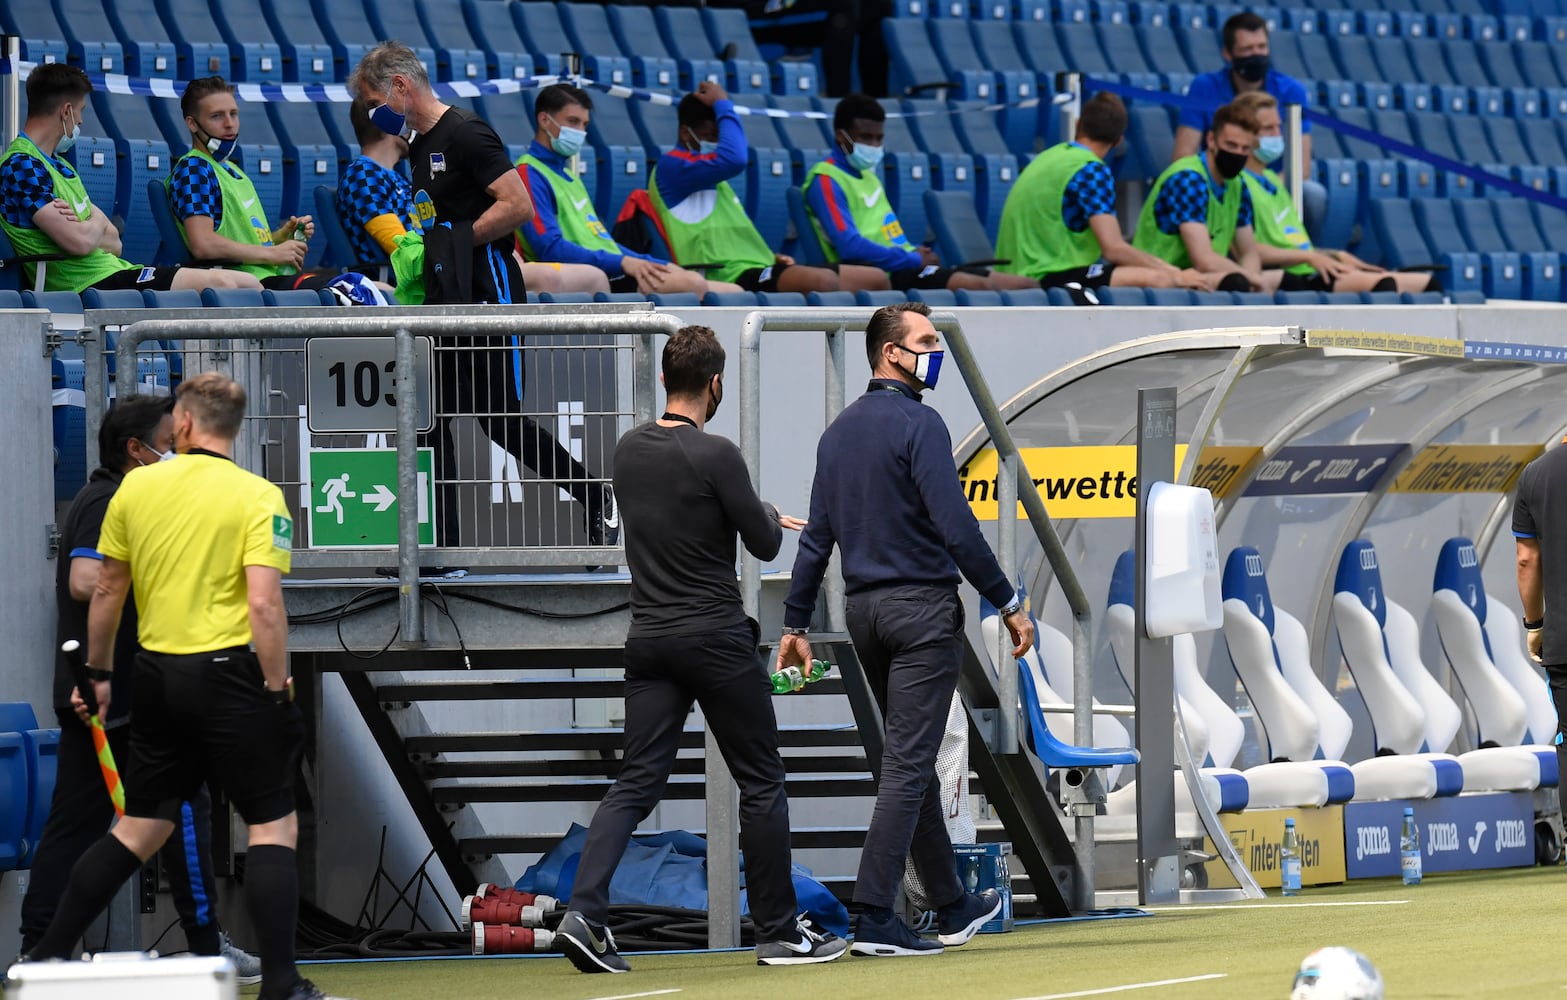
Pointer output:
x,y
206,545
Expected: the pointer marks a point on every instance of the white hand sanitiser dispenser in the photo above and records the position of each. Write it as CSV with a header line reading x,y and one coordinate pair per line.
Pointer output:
x,y
1183,562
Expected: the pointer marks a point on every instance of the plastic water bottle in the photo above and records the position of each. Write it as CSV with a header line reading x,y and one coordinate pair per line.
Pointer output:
x,y
1289,860
1409,848
792,678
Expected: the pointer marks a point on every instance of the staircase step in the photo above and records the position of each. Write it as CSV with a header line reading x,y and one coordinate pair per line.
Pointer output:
x,y
590,739
593,790
607,768
532,689
803,839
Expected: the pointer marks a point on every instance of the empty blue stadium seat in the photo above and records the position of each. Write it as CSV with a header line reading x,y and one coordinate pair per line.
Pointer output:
x,y
936,298
42,39
995,166
786,300
686,35
837,300
1026,297
954,45
566,297
145,42
530,37
637,32
348,27
1299,298
808,248
617,297
878,299
917,71
94,158
1398,236
307,52
742,300
1126,296
459,51
13,800
10,299
1420,298
43,750
960,236
1438,222
291,298
202,49
81,21
232,298
952,168
726,27
906,175
1341,180
1166,296
119,298
978,298
588,26
172,248
146,157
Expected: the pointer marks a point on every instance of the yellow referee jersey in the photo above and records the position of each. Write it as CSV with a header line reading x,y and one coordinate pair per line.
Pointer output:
x,y
188,528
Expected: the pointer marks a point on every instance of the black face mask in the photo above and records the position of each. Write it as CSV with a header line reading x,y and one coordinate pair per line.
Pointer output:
x,y
715,396
1250,68
1228,165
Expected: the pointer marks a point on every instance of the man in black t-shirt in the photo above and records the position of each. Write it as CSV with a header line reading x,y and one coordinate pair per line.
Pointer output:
x,y
138,431
686,494
1542,582
467,192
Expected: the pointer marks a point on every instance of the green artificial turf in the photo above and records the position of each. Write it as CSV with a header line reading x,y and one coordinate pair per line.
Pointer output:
x,y
1472,934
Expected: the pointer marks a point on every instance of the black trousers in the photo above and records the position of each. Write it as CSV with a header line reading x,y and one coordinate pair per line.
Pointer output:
x,y
1556,674
482,377
910,643
80,812
723,672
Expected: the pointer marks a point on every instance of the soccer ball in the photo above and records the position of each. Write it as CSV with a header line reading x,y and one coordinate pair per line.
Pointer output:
x,y
1337,974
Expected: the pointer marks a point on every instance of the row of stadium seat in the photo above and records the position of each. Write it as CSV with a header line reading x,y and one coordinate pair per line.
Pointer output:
x,y
28,763
997,60
301,41
1396,17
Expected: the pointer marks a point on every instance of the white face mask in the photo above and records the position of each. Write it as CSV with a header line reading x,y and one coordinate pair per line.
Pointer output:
x,y
69,139
163,456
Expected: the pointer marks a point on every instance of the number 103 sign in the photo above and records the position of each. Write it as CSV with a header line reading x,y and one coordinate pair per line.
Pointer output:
x,y
351,384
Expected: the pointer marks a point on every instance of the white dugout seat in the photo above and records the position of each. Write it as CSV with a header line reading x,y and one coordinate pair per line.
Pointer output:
x,y
1263,641
1410,712
1462,611
1266,786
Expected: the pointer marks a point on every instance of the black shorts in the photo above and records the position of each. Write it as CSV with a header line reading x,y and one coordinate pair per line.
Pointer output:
x,y
1096,275
1313,282
311,280
921,277
207,717
153,279
622,285
765,279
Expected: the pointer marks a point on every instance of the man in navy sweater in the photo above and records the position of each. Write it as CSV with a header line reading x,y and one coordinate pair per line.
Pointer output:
x,y
887,493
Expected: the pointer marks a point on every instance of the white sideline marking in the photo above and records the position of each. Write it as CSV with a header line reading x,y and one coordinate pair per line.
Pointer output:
x,y
632,996
1130,986
1249,906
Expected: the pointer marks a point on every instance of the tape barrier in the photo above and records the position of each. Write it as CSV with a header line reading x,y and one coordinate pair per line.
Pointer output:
x,y
337,93
1394,146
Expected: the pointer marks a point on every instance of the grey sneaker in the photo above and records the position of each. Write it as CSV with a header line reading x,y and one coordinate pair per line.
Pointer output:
x,y
247,967
590,946
810,947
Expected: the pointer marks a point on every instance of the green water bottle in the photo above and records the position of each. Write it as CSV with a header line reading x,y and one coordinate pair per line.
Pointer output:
x,y
787,680
819,669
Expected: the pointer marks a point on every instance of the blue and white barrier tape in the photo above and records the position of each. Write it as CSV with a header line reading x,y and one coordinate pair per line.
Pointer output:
x,y
1394,146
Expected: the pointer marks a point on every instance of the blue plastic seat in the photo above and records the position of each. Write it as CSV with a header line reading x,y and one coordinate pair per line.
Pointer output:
x,y
741,300
960,236
13,800
588,27
293,298
1126,296
978,298
955,48
142,37
996,168
906,175
806,138
675,300
686,35
1150,134
42,39
637,32
202,49
1053,752
809,247
340,250
1299,298
952,168
785,300
728,26
1445,240
566,297
837,300
81,23
936,298
1538,271
878,299
119,298
247,31
916,71
352,33
1033,297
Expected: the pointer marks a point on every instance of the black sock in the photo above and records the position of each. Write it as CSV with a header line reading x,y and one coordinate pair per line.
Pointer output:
x,y
94,881
203,940
1435,284
272,894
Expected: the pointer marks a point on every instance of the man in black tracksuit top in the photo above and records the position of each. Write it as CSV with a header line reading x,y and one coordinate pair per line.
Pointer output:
x,y
468,195
684,495
1542,581
886,493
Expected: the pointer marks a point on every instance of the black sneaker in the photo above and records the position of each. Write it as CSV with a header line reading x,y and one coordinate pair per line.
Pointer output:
x,y
958,922
590,946
890,937
304,989
810,947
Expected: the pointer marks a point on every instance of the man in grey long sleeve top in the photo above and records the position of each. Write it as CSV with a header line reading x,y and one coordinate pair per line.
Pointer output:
x,y
887,493
683,495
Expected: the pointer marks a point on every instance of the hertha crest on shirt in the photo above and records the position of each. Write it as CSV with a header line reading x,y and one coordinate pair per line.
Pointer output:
x,y
437,163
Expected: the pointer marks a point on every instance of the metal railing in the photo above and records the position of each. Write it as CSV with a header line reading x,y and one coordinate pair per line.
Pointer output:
x,y
598,357
1013,485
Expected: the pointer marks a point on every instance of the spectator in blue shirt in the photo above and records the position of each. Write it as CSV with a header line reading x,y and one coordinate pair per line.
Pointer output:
x,y
572,233
1249,69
